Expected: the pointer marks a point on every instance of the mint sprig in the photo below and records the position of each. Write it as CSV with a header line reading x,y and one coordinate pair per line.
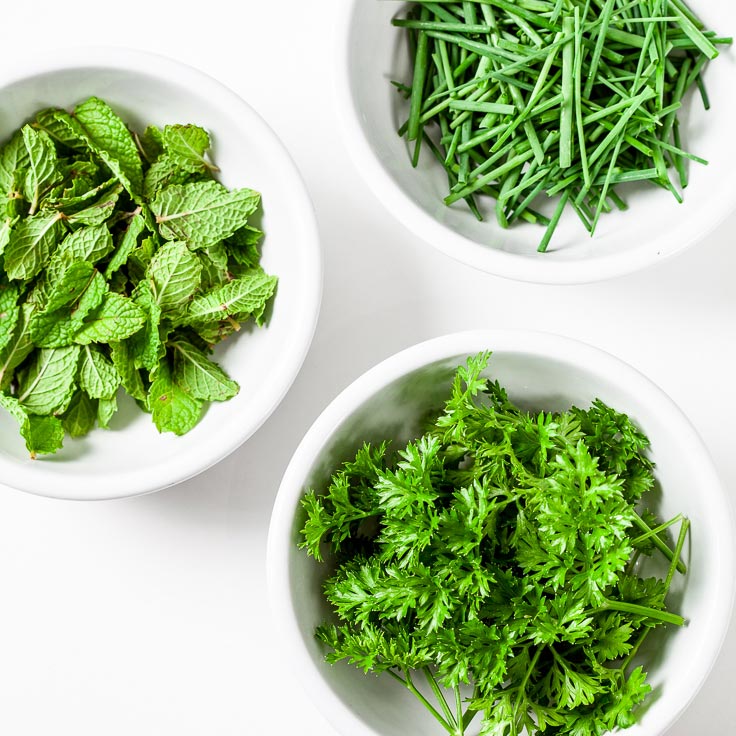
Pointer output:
x,y
122,263
493,566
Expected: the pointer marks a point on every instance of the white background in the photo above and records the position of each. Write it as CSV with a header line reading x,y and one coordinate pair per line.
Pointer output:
x,y
149,616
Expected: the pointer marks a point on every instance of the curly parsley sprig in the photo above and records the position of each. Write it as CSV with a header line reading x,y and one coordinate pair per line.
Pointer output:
x,y
492,566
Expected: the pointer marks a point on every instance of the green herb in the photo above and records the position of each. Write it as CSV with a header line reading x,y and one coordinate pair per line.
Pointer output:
x,y
493,565
567,99
122,263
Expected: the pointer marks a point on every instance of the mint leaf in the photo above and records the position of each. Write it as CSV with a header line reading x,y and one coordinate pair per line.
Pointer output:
x,y
30,244
99,211
110,139
43,435
18,348
115,319
80,416
54,329
41,165
9,313
122,354
6,227
91,243
173,409
98,377
62,127
175,274
146,345
13,163
199,376
161,174
246,295
106,409
69,288
45,386
202,213
126,245
186,145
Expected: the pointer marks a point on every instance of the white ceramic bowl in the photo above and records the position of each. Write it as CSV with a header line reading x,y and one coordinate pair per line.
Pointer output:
x,y
132,457
370,52
540,371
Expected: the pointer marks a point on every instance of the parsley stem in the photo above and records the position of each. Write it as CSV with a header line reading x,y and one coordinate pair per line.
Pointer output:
x,y
440,697
684,527
637,610
660,544
409,683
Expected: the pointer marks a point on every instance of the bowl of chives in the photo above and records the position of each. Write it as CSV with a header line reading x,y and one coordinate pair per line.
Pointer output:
x,y
561,120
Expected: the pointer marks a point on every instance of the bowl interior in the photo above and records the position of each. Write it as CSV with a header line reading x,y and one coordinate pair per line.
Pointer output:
x,y
654,226
132,456
366,704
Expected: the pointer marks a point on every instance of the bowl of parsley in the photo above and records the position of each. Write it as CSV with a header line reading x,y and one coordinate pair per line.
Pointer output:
x,y
501,532
160,273
554,143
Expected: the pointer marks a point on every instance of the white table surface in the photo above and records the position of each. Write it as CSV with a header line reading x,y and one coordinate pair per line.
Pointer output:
x,y
149,616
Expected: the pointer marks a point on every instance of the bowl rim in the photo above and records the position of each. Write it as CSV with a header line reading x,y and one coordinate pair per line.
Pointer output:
x,y
80,486
598,361
514,266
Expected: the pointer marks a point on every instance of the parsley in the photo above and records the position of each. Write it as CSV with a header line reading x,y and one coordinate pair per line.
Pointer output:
x,y
492,566
122,262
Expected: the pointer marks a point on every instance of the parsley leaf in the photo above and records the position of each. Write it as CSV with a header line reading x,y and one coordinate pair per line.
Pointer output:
x,y
496,553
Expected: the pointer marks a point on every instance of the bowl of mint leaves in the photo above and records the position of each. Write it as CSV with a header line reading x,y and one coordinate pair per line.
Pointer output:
x,y
501,532
160,273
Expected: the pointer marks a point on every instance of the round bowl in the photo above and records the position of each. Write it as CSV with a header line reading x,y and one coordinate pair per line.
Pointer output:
x,y
371,52
539,371
132,457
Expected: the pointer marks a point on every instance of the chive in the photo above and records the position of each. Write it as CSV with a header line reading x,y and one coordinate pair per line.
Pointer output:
x,y
570,98
542,247
566,110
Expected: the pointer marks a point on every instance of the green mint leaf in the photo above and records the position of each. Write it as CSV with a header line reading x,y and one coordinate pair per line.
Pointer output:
x,y
186,145
215,271
173,409
79,417
202,213
13,163
62,128
106,409
30,245
55,329
45,386
91,243
147,346
150,143
18,348
98,377
246,295
243,246
43,435
175,274
122,354
199,376
98,212
42,170
79,194
110,139
115,319
164,172
9,313
127,243
68,289
6,227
